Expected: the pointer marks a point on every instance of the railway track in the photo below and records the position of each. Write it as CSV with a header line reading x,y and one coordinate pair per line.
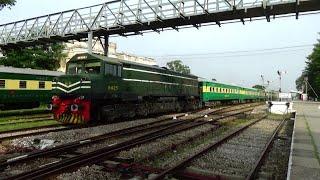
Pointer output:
x,y
23,120
238,154
7,135
146,133
27,125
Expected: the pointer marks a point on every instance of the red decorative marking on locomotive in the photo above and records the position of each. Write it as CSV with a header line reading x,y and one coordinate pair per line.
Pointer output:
x,y
71,111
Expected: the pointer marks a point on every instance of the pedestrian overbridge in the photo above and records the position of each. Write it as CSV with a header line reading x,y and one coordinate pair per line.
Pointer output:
x,y
133,17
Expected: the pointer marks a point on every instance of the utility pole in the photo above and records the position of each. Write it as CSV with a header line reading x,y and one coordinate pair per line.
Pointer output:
x,y
306,85
279,73
268,95
280,77
262,78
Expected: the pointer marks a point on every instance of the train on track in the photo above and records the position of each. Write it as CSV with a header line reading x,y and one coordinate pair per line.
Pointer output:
x,y
25,88
99,88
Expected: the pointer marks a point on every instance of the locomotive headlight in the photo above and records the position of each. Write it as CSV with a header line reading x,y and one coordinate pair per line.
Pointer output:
x,y
54,97
74,107
49,107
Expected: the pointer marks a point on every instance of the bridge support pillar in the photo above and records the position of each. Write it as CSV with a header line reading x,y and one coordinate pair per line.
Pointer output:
x,y
106,45
89,43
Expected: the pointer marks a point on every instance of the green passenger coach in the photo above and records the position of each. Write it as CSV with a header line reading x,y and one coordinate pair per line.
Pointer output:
x,y
25,88
219,92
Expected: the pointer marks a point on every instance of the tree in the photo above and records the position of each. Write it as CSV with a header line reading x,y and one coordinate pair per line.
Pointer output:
x,y
300,83
312,72
177,66
38,57
4,3
259,87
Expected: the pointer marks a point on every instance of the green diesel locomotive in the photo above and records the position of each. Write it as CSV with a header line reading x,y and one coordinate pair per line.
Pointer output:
x,y
25,88
101,88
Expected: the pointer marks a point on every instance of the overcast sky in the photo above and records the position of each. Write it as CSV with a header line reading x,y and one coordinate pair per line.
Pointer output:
x,y
207,50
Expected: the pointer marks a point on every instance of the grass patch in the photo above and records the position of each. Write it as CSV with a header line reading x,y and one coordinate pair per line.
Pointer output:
x,y
22,118
22,112
315,148
11,127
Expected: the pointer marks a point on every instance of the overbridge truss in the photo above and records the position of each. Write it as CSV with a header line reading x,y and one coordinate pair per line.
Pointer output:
x,y
130,17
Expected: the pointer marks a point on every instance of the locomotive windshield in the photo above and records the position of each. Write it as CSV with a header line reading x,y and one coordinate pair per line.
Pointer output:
x,y
84,67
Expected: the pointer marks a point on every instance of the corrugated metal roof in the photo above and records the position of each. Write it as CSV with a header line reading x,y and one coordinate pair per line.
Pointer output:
x,y
4,69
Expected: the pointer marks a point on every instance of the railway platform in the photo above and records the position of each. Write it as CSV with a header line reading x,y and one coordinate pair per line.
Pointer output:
x,y
304,160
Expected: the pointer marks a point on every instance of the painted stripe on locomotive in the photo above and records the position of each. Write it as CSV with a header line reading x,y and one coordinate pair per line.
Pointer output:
x,y
77,88
159,82
153,72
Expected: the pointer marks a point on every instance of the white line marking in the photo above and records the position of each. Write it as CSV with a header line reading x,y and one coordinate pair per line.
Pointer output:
x,y
152,72
158,82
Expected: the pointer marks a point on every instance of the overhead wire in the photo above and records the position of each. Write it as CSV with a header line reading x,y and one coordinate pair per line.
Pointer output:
x,y
240,53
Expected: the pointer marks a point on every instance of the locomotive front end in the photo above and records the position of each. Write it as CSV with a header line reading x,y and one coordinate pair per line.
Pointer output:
x,y
72,100
71,103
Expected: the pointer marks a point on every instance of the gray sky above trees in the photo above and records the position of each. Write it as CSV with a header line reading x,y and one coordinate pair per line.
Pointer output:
x,y
207,50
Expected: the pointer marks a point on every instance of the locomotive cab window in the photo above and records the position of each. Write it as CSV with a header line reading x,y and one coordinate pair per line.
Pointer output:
x,y
84,67
113,70
2,83
92,67
23,84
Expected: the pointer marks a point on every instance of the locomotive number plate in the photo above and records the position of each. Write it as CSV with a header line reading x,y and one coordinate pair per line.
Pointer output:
x,y
113,88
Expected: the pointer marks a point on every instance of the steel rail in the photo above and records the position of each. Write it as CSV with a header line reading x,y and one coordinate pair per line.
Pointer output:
x,y
99,155
31,131
259,162
87,141
185,162
77,144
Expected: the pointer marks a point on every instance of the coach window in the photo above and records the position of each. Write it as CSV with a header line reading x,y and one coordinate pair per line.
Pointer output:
x,y
42,85
2,83
23,84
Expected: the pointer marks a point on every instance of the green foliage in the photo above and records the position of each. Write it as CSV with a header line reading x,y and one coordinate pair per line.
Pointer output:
x,y
4,3
177,66
312,71
300,83
38,57
259,87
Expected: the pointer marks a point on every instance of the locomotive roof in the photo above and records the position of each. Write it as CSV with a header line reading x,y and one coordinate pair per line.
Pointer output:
x,y
120,61
5,69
